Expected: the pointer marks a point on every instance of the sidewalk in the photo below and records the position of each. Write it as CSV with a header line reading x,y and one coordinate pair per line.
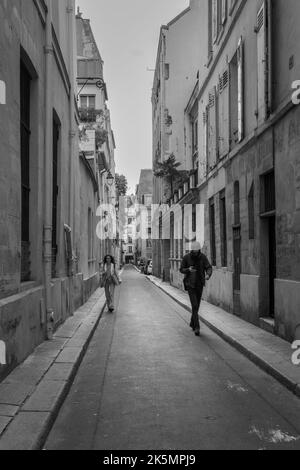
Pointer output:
x,y
269,352
31,396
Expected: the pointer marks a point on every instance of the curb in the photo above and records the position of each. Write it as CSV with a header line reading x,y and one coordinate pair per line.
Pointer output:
x,y
255,358
45,418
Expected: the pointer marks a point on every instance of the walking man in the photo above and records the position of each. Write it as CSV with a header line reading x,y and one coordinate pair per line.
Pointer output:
x,y
197,270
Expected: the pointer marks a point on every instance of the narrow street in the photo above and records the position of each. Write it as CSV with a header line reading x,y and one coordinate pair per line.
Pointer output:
x,y
146,382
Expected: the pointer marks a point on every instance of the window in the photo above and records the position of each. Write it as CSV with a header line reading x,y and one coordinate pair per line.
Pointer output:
x,y
251,218
195,136
172,233
90,235
149,244
25,96
182,242
55,191
167,71
231,6
223,228
268,200
219,17
88,101
236,91
130,250
210,32
130,240
194,218
160,226
212,131
212,225
237,215
130,221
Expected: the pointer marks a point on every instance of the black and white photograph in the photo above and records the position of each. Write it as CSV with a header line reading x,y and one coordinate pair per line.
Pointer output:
x,y
149,228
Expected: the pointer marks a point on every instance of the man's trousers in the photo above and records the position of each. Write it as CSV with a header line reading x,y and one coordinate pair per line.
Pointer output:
x,y
195,298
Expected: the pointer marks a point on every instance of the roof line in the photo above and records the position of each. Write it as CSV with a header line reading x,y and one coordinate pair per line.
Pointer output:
x,y
179,16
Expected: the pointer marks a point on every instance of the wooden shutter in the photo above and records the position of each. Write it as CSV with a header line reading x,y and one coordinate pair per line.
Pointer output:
x,y
223,113
212,129
262,64
224,11
240,61
215,19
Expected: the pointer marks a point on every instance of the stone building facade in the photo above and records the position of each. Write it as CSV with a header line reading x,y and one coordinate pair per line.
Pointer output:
x,y
144,201
176,73
248,152
97,143
46,186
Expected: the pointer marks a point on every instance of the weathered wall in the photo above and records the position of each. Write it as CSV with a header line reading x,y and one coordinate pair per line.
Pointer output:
x,y
22,326
287,164
22,305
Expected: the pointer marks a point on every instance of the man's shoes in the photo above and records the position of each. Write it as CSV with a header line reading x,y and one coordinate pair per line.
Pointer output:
x,y
197,332
191,325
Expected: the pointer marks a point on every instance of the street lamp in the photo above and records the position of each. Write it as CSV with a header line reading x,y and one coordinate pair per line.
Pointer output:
x,y
110,179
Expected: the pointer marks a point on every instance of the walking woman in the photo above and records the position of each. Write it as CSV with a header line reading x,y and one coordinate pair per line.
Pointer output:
x,y
109,280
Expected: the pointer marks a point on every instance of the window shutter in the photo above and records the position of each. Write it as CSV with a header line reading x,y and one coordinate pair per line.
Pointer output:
x,y
205,134
212,129
223,118
224,11
262,64
215,19
240,59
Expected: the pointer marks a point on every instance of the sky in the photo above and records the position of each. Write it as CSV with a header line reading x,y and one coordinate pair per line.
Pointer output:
x,y
127,34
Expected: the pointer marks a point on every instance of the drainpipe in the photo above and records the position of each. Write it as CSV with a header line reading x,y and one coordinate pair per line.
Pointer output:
x,y
48,174
72,134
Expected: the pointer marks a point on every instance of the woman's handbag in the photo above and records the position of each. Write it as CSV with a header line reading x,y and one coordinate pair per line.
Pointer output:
x,y
116,279
102,280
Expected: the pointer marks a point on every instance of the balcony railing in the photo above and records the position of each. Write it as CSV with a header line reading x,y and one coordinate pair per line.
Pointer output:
x,y
90,114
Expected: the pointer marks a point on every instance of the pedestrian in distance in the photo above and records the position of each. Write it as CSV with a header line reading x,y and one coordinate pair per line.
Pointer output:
x,y
197,270
109,279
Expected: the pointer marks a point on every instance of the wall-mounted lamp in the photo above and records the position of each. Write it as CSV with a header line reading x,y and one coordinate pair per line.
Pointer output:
x,y
110,179
99,83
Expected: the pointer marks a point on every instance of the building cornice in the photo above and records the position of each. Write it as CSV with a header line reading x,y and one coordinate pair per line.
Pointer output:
x,y
42,10
61,62
178,17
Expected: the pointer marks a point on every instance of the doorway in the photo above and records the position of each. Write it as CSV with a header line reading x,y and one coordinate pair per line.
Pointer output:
x,y
237,251
272,264
268,245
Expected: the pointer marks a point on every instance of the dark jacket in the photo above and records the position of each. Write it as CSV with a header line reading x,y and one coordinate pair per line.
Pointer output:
x,y
202,266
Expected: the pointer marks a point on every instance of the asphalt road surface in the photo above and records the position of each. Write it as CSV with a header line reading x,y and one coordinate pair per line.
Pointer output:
x,y
147,382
